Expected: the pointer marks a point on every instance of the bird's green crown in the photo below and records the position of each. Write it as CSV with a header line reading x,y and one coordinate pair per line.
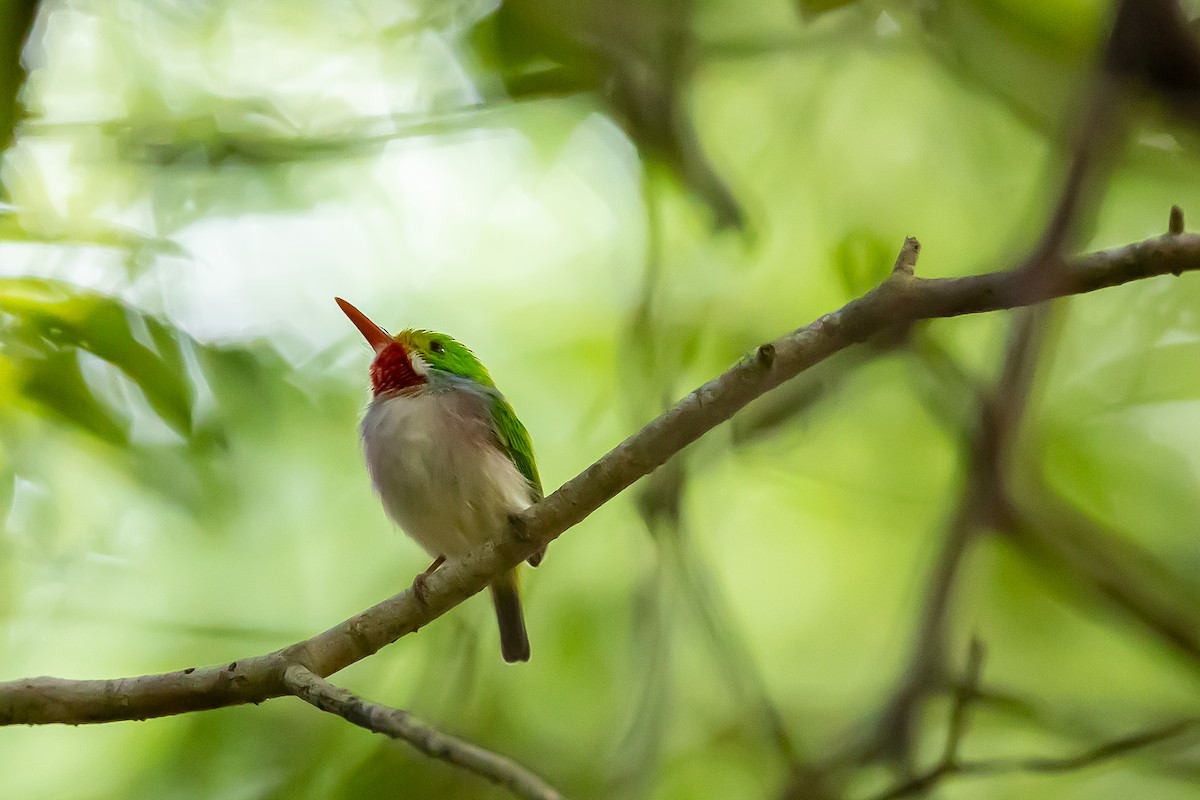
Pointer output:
x,y
445,353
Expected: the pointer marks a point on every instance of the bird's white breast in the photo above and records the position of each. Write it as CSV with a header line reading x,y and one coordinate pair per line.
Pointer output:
x,y
438,472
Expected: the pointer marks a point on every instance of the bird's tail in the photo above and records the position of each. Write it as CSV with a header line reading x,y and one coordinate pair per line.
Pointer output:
x,y
514,642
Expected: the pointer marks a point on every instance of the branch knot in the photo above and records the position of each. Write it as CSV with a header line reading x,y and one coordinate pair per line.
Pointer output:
x,y
906,261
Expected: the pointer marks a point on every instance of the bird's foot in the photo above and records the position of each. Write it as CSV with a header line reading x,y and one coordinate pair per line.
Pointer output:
x,y
516,524
420,589
420,586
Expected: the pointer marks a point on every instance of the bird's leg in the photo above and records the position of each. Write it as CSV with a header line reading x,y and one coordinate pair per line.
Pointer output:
x,y
418,584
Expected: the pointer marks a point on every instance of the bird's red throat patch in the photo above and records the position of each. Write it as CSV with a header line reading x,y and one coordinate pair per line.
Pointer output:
x,y
392,371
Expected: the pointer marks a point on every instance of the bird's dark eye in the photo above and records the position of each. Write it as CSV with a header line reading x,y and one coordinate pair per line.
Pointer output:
x,y
437,346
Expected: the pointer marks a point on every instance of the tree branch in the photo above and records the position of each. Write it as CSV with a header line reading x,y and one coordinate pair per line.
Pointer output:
x,y
900,300
399,724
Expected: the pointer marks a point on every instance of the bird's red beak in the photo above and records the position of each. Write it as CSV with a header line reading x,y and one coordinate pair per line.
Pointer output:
x,y
376,336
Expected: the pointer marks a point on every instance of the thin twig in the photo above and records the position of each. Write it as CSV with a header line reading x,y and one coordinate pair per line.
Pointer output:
x,y
900,300
891,736
1072,726
1097,754
964,695
1094,756
1175,224
402,725
906,261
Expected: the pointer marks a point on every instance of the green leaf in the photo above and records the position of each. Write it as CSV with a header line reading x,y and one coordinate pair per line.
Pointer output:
x,y
50,319
55,382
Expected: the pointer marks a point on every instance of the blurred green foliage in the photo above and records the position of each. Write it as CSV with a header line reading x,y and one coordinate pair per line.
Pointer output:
x,y
609,202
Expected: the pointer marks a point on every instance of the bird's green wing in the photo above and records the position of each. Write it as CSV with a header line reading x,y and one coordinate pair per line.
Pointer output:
x,y
515,442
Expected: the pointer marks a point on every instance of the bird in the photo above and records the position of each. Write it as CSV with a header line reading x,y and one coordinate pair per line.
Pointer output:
x,y
448,456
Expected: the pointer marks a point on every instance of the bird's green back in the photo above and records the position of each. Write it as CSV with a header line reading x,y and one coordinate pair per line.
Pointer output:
x,y
515,441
